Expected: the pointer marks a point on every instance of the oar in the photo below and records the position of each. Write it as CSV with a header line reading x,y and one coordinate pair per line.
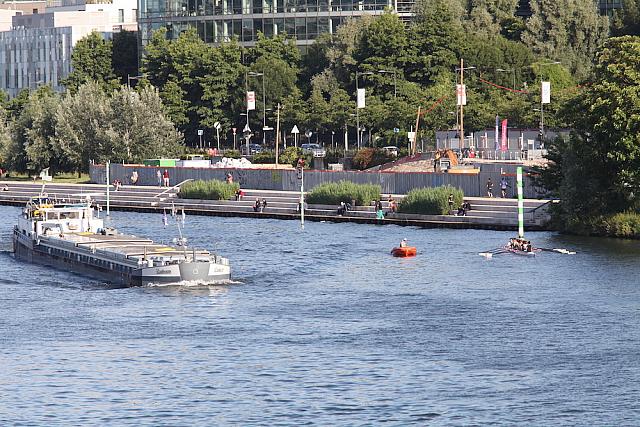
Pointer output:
x,y
491,252
560,251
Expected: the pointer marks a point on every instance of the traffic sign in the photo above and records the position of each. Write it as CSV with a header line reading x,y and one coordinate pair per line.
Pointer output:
x,y
234,130
396,130
200,132
295,130
217,125
246,129
308,134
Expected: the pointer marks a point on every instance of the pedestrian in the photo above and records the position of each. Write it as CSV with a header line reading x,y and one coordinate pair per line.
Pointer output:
x,y
165,178
134,177
159,177
264,205
450,202
257,206
229,178
489,188
239,194
503,187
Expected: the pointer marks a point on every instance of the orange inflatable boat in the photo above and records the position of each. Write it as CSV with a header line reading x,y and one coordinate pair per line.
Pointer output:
x,y
407,251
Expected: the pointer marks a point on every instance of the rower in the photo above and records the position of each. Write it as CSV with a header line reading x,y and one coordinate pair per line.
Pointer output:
x,y
403,243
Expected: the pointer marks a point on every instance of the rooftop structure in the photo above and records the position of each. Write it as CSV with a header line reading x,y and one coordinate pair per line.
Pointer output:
x,y
36,49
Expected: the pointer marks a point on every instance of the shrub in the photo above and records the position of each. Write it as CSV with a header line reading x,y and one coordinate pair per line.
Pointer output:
x,y
370,157
209,190
626,224
264,157
344,191
431,201
232,154
291,155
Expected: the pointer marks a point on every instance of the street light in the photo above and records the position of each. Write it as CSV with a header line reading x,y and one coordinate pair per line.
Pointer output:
x,y
395,86
460,98
264,109
129,78
544,64
366,73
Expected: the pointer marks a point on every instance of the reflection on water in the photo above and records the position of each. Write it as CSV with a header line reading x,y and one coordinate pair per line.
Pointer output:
x,y
325,327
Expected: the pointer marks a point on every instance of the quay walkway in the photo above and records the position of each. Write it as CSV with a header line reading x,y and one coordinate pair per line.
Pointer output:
x,y
486,213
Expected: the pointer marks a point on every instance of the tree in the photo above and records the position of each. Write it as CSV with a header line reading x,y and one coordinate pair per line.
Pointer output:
x,y
490,18
597,170
281,47
124,55
127,126
437,39
383,44
91,61
30,148
199,84
552,33
626,20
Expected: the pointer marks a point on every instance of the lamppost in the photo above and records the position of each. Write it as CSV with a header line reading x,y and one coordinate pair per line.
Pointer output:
x,y
264,109
542,101
462,98
129,78
541,111
366,73
395,85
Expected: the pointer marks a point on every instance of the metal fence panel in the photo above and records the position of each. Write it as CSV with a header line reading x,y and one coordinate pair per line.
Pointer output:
x,y
287,180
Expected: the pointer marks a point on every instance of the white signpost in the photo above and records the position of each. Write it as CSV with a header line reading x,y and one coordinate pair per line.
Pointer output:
x,y
200,133
217,127
295,133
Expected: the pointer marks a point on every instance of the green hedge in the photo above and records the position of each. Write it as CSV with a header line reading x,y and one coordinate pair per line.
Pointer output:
x,y
264,157
431,201
624,225
344,191
209,190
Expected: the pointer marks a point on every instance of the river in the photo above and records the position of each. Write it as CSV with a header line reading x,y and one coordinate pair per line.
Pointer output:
x,y
324,327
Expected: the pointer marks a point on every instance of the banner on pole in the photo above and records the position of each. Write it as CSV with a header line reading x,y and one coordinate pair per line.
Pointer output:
x,y
504,143
251,101
546,93
497,133
361,98
461,94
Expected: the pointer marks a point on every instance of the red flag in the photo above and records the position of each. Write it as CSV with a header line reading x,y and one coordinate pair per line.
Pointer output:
x,y
504,146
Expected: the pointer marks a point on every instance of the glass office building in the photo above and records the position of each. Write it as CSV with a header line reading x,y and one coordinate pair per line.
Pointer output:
x,y
220,20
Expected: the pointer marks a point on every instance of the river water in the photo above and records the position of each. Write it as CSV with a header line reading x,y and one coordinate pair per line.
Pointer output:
x,y
324,327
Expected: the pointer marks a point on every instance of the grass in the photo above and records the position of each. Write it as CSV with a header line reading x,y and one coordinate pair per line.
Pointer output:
x,y
62,178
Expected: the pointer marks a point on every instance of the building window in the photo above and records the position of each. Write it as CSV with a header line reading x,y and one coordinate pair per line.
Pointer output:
x,y
120,15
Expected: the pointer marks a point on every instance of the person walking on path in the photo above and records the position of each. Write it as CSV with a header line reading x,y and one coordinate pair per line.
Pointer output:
x,y
134,177
159,177
489,188
165,178
450,202
503,187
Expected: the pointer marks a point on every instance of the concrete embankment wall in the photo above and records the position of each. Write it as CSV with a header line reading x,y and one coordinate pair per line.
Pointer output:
x,y
286,180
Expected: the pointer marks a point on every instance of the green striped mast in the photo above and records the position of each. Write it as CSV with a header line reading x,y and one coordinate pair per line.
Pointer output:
x,y
520,204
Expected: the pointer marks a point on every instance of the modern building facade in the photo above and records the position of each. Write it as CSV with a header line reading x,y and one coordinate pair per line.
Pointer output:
x,y
221,20
37,49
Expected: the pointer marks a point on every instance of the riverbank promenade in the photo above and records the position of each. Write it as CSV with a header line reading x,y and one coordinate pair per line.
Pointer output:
x,y
485,213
